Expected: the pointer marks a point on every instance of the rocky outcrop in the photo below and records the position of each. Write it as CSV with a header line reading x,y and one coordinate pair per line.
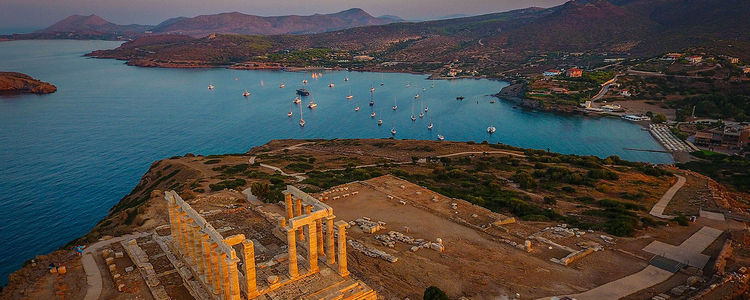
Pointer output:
x,y
17,83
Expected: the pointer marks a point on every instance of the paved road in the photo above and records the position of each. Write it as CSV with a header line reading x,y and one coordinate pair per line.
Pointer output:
x,y
658,209
689,252
93,276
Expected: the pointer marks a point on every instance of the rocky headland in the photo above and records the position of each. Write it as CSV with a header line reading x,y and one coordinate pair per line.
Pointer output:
x,y
18,83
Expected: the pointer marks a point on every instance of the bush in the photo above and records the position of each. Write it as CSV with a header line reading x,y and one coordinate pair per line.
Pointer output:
x,y
299,167
260,190
550,200
212,161
525,180
434,293
227,184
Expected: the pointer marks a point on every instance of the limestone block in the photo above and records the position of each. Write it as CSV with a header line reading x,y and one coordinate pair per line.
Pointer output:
x,y
402,202
112,267
133,242
272,279
119,254
402,186
115,276
120,287
61,270
109,260
129,269
53,270
106,253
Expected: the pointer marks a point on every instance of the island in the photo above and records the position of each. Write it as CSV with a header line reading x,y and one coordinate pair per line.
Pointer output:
x,y
371,218
17,83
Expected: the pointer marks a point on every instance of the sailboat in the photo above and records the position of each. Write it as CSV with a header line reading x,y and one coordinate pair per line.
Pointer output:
x,y
413,118
416,96
394,103
426,108
380,122
246,94
289,114
297,100
350,94
330,85
421,115
210,86
372,114
301,119
304,81
393,130
440,137
282,85
356,108
346,79
372,89
491,129
382,83
312,104
429,127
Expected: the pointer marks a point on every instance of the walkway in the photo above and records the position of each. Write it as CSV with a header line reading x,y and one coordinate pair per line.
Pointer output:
x,y
93,276
627,285
659,207
481,152
689,252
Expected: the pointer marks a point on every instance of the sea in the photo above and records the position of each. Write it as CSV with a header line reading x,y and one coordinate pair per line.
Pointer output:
x,y
66,158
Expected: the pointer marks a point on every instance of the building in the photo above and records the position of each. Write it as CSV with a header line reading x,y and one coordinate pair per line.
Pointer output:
x,y
732,137
672,56
574,72
551,72
625,93
362,58
746,69
559,90
694,59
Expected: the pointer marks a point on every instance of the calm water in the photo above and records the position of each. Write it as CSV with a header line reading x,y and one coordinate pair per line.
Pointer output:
x,y
66,158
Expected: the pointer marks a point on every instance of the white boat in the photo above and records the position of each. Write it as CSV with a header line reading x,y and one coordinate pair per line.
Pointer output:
x,y
297,100
413,118
491,129
429,127
246,94
350,95
416,96
356,108
330,85
301,119
424,89
372,115
211,87
421,115
380,122
281,86
312,105
441,137
372,89
393,131
289,114
426,109
394,103
346,79
304,81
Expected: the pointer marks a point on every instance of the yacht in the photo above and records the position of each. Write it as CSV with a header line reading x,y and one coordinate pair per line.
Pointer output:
x,y
426,109
297,100
356,108
372,102
429,127
304,81
441,137
372,115
312,104
394,103
416,96
393,131
330,85
211,87
303,92
421,115
301,120
380,122
346,79
372,89
491,129
492,100
460,98
246,94
281,86
413,118
350,95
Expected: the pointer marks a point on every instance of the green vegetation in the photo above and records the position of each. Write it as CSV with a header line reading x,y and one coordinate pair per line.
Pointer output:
x,y
227,184
333,178
434,293
228,170
733,171
717,106
212,161
299,167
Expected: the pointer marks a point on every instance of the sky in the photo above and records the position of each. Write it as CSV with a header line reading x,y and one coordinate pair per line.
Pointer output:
x,y
42,13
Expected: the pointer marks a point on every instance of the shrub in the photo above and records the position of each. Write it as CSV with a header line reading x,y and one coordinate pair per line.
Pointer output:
x,y
525,180
550,200
227,184
434,293
212,161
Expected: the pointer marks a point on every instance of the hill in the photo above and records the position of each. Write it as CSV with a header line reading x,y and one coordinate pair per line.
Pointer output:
x,y
498,42
17,83
95,27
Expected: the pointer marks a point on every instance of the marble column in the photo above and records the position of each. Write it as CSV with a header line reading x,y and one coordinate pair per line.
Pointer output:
x,y
198,248
215,262
186,236
289,207
224,276
234,279
312,253
252,284
330,241
343,271
298,211
206,242
319,229
292,246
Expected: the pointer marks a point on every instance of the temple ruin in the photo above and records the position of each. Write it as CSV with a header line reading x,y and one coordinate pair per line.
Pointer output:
x,y
223,274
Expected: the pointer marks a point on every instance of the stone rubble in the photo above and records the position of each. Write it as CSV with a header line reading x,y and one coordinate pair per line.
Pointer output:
x,y
392,237
371,252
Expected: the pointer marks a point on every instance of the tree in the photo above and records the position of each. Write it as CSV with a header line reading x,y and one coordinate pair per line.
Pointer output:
x,y
260,190
659,118
434,293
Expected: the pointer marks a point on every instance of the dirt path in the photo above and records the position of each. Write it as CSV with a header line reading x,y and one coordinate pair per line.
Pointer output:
x,y
93,276
658,209
481,152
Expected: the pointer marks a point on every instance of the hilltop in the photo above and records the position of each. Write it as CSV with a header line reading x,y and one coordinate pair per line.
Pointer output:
x,y
96,27
524,40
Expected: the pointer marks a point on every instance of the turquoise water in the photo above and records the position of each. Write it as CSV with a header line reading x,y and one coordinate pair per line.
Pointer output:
x,y
67,157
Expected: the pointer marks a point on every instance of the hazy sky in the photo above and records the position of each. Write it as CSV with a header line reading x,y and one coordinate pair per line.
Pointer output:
x,y
42,13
